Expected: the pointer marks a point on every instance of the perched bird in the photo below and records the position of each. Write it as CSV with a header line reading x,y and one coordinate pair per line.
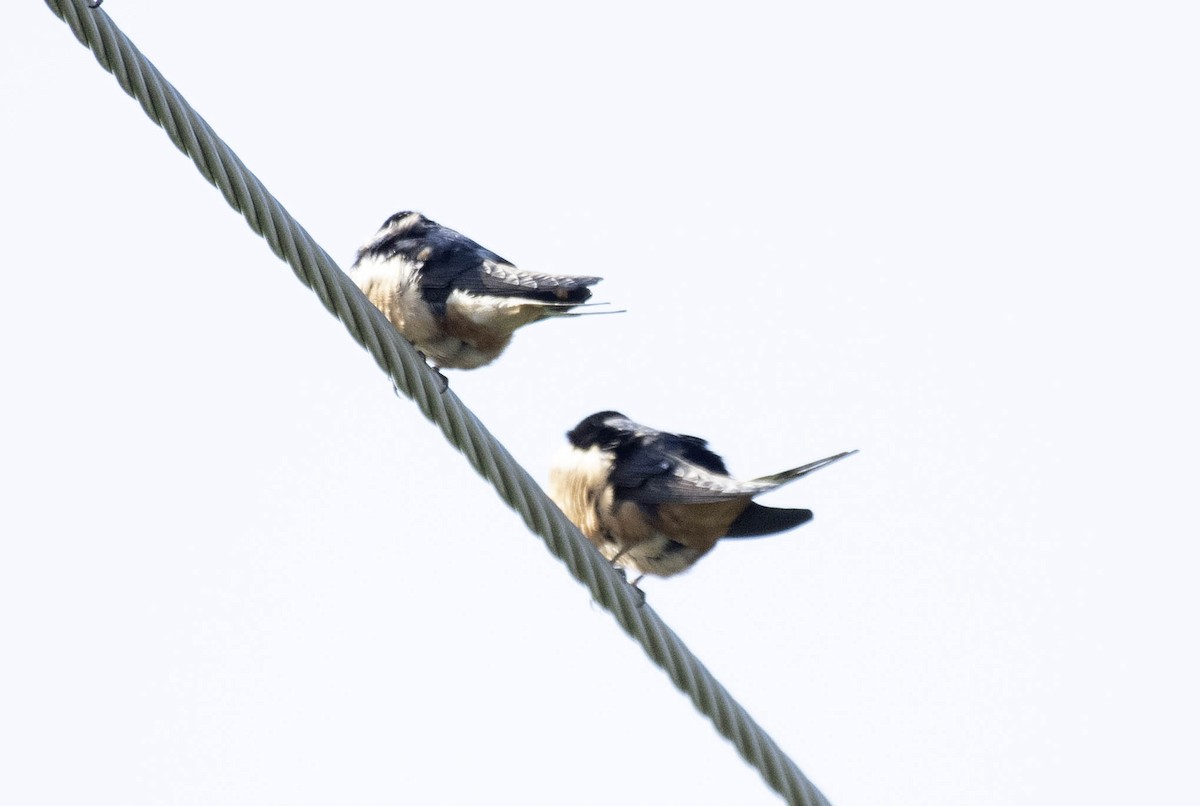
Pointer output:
x,y
657,502
457,302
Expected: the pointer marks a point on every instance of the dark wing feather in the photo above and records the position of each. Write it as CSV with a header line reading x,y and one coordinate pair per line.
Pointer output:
x,y
670,468
505,279
453,262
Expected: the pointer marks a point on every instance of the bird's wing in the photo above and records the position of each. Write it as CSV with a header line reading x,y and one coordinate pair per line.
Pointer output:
x,y
669,468
663,471
450,261
788,476
453,262
504,279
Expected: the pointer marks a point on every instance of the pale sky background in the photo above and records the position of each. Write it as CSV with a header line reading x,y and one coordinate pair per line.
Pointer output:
x,y
237,569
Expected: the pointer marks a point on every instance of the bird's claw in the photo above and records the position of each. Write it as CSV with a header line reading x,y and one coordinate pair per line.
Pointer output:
x,y
641,594
436,371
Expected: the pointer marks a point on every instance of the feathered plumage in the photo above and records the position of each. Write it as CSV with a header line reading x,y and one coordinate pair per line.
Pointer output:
x,y
657,502
456,301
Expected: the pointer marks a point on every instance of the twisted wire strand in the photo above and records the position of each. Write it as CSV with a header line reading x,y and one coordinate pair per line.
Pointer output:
x,y
408,371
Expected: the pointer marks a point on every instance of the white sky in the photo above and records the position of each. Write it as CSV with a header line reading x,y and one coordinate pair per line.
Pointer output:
x,y
236,569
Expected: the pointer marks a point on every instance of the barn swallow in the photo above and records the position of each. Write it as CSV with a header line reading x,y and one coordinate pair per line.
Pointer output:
x,y
657,502
457,302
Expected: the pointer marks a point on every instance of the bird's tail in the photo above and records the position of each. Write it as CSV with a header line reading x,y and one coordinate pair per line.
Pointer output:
x,y
524,311
758,521
569,309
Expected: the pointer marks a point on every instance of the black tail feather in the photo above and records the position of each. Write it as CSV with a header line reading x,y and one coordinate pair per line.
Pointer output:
x,y
759,521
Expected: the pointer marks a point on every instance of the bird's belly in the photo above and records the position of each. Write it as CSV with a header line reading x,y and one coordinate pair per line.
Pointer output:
x,y
446,338
449,352
658,554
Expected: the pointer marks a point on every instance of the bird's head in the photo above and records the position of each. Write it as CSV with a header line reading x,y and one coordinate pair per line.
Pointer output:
x,y
604,429
408,223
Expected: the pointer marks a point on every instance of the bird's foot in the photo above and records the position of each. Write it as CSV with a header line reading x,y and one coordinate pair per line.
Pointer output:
x,y
641,594
436,371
